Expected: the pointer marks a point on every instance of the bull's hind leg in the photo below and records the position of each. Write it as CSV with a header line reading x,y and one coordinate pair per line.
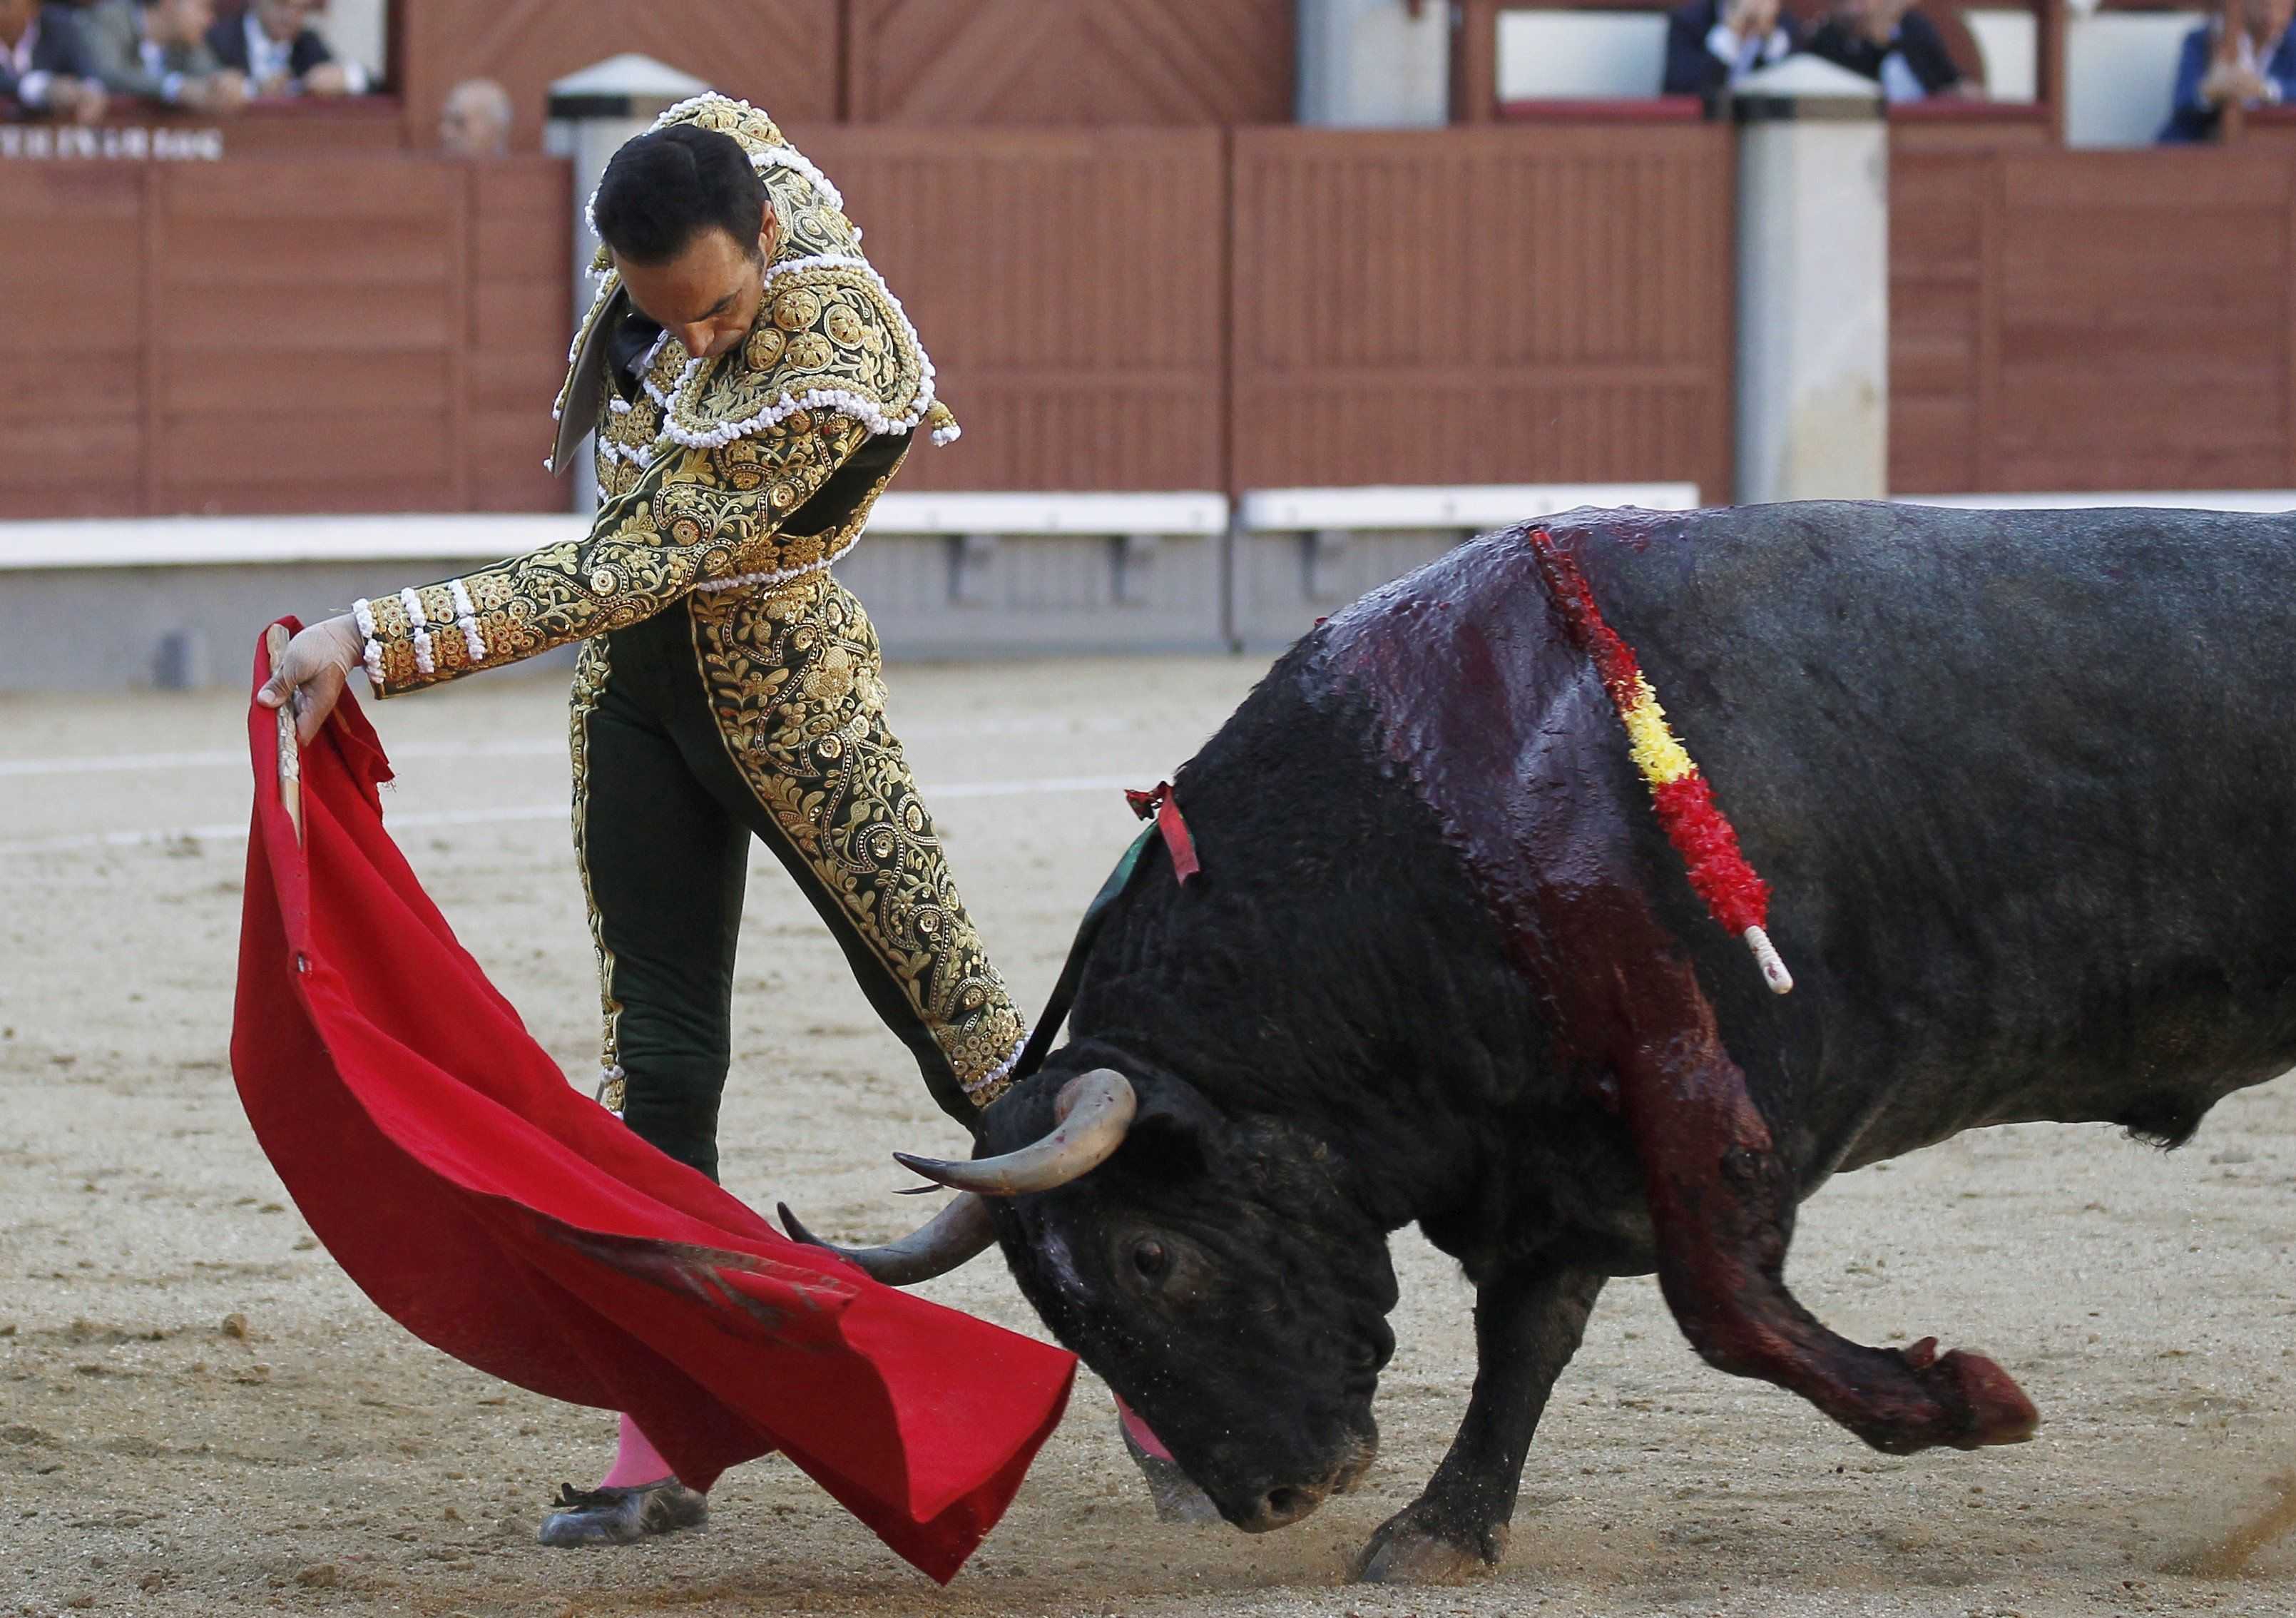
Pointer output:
x,y
1721,1202
1527,1324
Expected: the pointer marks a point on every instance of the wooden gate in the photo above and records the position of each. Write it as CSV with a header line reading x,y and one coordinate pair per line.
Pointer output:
x,y
1547,304
1069,287
1077,62
2092,320
339,333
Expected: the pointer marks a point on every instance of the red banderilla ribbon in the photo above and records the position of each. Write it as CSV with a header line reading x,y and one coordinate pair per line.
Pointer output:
x,y
1159,802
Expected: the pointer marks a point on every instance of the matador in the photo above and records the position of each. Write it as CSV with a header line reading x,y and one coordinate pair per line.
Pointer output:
x,y
754,386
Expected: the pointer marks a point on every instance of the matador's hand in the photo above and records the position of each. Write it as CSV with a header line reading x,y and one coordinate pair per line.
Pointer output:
x,y
312,673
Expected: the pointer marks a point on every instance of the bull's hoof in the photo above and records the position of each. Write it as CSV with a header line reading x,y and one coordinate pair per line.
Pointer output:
x,y
1415,1547
1963,1400
1177,1499
623,1516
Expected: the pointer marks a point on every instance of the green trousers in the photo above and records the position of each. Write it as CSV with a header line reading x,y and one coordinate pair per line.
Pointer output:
x,y
759,712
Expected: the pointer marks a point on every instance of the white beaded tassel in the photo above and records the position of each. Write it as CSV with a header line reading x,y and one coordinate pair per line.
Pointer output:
x,y
420,627
466,619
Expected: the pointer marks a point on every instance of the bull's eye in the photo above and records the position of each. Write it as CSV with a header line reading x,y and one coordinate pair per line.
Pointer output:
x,y
1150,1260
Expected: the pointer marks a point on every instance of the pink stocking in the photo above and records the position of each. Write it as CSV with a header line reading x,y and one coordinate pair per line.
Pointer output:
x,y
635,1462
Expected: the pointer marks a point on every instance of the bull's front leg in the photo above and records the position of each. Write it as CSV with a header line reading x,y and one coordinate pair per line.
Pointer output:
x,y
1527,1324
1722,1202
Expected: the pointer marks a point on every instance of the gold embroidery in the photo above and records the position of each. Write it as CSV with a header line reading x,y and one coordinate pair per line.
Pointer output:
x,y
693,516
826,330
796,683
829,348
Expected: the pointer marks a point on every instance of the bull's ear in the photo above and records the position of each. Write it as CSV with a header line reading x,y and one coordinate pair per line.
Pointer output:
x,y
1171,1135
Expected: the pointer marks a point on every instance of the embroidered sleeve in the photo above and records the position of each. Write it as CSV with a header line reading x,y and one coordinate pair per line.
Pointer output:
x,y
694,516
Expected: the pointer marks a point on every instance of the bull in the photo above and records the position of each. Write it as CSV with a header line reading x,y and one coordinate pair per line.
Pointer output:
x,y
2019,783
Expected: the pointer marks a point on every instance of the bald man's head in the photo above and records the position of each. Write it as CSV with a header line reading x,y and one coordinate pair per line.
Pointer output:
x,y
476,120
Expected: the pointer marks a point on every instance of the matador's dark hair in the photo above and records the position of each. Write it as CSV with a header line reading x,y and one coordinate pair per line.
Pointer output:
x,y
662,190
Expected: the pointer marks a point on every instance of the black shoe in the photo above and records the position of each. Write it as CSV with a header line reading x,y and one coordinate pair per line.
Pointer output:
x,y
623,1516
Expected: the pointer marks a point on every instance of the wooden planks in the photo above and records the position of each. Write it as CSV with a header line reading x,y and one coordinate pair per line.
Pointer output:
x,y
518,320
279,335
1080,63
1542,304
71,257
302,360
2091,320
1070,289
783,54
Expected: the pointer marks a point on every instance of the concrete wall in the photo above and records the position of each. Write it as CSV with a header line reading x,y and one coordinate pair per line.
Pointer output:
x,y
179,601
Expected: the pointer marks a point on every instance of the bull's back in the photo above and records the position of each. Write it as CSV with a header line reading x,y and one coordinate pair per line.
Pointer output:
x,y
2019,781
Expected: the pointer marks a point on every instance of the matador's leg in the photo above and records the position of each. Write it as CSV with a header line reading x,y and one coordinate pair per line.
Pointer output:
x,y
663,865
790,724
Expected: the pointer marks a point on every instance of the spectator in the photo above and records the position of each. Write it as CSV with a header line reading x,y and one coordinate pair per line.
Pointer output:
x,y
1886,41
275,44
2260,70
45,65
153,50
476,120
1710,43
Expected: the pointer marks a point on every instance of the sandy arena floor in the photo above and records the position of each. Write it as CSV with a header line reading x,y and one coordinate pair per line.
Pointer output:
x,y
199,1414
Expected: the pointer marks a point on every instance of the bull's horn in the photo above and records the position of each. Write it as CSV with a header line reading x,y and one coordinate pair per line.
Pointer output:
x,y
959,1232
1093,1109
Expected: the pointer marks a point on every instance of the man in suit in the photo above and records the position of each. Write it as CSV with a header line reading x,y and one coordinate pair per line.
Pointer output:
x,y
45,65
2257,69
153,50
1710,43
1888,41
275,44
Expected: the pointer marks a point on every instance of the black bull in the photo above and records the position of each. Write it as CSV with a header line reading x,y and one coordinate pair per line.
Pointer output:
x,y
2021,784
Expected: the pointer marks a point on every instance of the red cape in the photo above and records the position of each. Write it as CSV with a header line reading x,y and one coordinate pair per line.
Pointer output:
x,y
500,1215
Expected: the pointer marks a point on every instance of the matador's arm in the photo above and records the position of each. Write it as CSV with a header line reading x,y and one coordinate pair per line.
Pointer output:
x,y
697,516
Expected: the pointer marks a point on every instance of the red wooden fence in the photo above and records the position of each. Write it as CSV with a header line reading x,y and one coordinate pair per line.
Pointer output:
x,y
2092,320
1540,304
1071,288
345,333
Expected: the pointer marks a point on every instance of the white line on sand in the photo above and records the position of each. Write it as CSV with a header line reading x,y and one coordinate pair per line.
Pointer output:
x,y
182,834
532,747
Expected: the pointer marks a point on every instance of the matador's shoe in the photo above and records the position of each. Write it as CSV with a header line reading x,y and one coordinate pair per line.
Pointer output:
x,y
622,1516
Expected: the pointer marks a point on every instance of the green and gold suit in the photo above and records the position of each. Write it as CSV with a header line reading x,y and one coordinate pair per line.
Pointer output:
x,y
728,686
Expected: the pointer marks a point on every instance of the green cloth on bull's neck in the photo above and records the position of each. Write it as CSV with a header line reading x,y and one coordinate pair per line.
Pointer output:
x,y
829,333
1064,989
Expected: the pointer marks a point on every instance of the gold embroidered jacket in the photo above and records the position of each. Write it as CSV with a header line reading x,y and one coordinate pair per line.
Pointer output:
x,y
700,472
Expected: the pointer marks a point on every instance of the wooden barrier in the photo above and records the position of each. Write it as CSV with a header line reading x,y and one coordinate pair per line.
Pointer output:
x,y
1540,304
343,332
1079,63
2084,320
1070,287
1141,309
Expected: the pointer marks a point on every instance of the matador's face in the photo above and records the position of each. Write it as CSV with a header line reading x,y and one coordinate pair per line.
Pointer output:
x,y
707,295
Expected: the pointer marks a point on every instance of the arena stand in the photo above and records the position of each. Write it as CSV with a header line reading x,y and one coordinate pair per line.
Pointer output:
x,y
1136,282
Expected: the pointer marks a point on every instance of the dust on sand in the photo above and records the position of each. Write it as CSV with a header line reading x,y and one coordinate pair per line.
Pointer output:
x,y
199,1414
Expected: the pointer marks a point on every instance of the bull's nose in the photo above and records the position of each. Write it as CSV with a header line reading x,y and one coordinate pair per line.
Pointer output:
x,y
1280,1507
